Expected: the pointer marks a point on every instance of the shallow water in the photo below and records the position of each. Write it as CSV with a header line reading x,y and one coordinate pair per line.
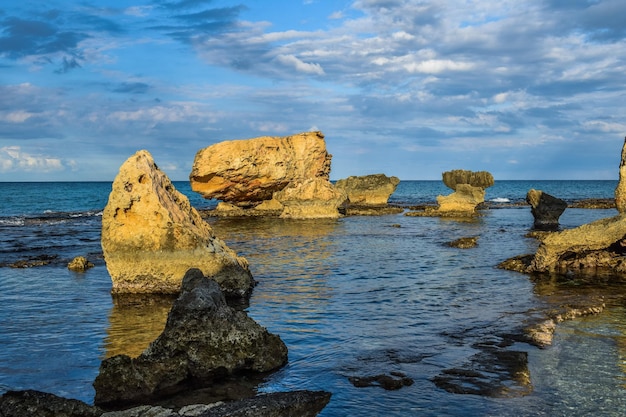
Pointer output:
x,y
354,297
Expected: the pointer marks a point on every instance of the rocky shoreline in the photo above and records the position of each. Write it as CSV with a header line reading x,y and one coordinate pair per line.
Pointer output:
x,y
154,244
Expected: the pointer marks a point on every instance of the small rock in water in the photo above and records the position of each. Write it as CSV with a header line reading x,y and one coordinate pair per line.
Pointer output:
x,y
79,264
464,242
393,381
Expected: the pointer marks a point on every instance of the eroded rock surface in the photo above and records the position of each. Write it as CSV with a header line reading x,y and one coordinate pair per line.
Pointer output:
x,y
312,198
368,190
479,179
546,209
204,340
620,190
247,172
151,235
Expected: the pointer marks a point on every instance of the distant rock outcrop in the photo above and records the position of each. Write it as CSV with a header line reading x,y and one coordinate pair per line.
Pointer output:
x,y
204,340
469,192
151,235
247,172
546,209
368,190
479,179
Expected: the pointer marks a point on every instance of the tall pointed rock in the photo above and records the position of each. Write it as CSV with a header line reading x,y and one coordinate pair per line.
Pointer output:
x,y
151,235
620,190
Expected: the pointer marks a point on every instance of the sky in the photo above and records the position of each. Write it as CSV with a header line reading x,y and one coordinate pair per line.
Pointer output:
x,y
532,89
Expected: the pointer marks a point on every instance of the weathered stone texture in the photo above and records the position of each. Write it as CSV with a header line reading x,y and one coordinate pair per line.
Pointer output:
x,y
620,190
311,198
463,200
151,235
246,172
545,209
369,190
204,340
480,179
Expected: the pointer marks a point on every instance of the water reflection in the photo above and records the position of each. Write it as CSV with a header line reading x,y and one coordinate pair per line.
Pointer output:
x,y
273,246
559,294
134,322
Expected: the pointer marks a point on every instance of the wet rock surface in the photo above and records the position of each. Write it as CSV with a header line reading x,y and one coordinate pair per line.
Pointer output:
x,y
546,209
280,404
36,403
493,372
204,341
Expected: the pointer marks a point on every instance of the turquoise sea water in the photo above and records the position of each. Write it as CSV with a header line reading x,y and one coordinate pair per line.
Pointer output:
x,y
353,297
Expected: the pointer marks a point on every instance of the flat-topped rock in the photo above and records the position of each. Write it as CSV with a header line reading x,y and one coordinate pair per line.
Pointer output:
x,y
247,172
480,179
151,235
368,190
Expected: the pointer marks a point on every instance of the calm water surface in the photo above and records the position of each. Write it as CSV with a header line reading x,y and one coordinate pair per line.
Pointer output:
x,y
354,297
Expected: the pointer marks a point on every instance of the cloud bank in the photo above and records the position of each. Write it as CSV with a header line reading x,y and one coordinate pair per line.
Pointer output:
x,y
406,87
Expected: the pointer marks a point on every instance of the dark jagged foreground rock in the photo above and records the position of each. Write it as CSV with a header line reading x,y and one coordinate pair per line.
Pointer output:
x,y
41,404
204,340
546,209
279,404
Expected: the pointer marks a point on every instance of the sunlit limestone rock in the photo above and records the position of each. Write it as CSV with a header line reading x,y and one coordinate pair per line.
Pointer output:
x,y
314,198
368,190
480,179
151,236
469,192
591,249
204,342
248,172
463,200
620,190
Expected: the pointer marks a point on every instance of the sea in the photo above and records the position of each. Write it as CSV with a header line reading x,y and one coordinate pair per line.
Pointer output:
x,y
354,297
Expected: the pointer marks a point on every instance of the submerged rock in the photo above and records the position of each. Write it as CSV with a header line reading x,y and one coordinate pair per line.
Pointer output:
x,y
247,172
151,235
368,190
393,381
492,372
464,242
204,341
546,209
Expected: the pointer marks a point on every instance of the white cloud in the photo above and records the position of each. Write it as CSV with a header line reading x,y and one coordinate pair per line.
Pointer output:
x,y
300,66
12,158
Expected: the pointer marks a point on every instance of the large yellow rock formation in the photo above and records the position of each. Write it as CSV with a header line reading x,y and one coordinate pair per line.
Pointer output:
x,y
247,172
151,235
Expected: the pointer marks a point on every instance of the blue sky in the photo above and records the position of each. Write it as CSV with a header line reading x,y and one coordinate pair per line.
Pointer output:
x,y
531,89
